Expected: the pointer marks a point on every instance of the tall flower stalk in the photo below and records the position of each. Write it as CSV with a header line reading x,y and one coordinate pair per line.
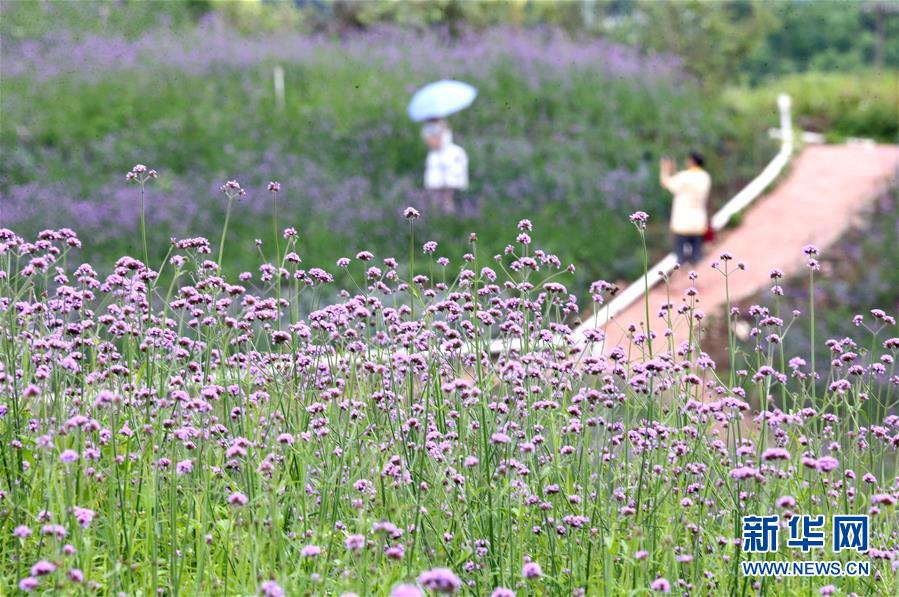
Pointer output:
x,y
274,188
141,174
232,191
811,251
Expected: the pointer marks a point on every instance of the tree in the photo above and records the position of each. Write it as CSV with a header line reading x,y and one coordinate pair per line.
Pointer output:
x,y
885,16
828,36
712,38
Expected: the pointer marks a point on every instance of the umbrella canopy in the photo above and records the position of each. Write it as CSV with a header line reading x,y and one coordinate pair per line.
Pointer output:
x,y
441,99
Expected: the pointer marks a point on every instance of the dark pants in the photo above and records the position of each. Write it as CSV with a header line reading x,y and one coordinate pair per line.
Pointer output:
x,y
688,248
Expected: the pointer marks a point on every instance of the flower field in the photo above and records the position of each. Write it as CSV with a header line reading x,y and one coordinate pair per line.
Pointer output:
x,y
565,131
168,428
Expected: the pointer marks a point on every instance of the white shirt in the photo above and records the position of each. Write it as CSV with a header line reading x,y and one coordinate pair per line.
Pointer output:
x,y
689,213
447,167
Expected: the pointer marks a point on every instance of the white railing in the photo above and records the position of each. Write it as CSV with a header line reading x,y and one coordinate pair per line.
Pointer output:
x,y
664,267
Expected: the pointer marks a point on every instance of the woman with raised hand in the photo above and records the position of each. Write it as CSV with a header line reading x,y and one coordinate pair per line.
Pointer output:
x,y
689,211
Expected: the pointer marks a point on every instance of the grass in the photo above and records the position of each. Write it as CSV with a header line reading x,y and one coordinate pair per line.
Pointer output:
x,y
205,437
840,105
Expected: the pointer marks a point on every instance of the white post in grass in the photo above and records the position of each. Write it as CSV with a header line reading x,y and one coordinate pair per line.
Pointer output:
x,y
278,76
786,125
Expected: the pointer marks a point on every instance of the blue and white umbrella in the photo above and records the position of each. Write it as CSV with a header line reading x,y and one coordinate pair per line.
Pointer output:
x,y
441,99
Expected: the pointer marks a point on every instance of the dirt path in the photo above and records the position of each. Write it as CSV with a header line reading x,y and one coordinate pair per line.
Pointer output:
x,y
827,188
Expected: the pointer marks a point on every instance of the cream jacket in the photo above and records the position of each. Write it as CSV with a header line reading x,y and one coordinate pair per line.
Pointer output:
x,y
689,212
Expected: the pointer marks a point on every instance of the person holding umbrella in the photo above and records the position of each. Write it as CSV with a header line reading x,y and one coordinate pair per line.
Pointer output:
x,y
446,167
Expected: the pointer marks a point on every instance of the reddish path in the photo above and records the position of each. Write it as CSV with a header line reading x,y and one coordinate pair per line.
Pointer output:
x,y
827,188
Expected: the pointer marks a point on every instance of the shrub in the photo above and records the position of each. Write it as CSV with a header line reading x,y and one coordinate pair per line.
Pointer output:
x,y
840,105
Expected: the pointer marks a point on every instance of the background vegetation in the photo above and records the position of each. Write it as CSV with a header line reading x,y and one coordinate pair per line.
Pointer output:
x,y
578,101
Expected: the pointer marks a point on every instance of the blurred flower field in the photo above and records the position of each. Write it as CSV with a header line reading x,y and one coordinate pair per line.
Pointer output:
x,y
566,131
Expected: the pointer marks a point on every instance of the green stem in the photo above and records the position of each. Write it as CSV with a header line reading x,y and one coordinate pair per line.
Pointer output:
x,y
143,226
225,229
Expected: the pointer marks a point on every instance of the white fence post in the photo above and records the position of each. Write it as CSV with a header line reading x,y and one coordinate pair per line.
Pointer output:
x,y
786,124
278,75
